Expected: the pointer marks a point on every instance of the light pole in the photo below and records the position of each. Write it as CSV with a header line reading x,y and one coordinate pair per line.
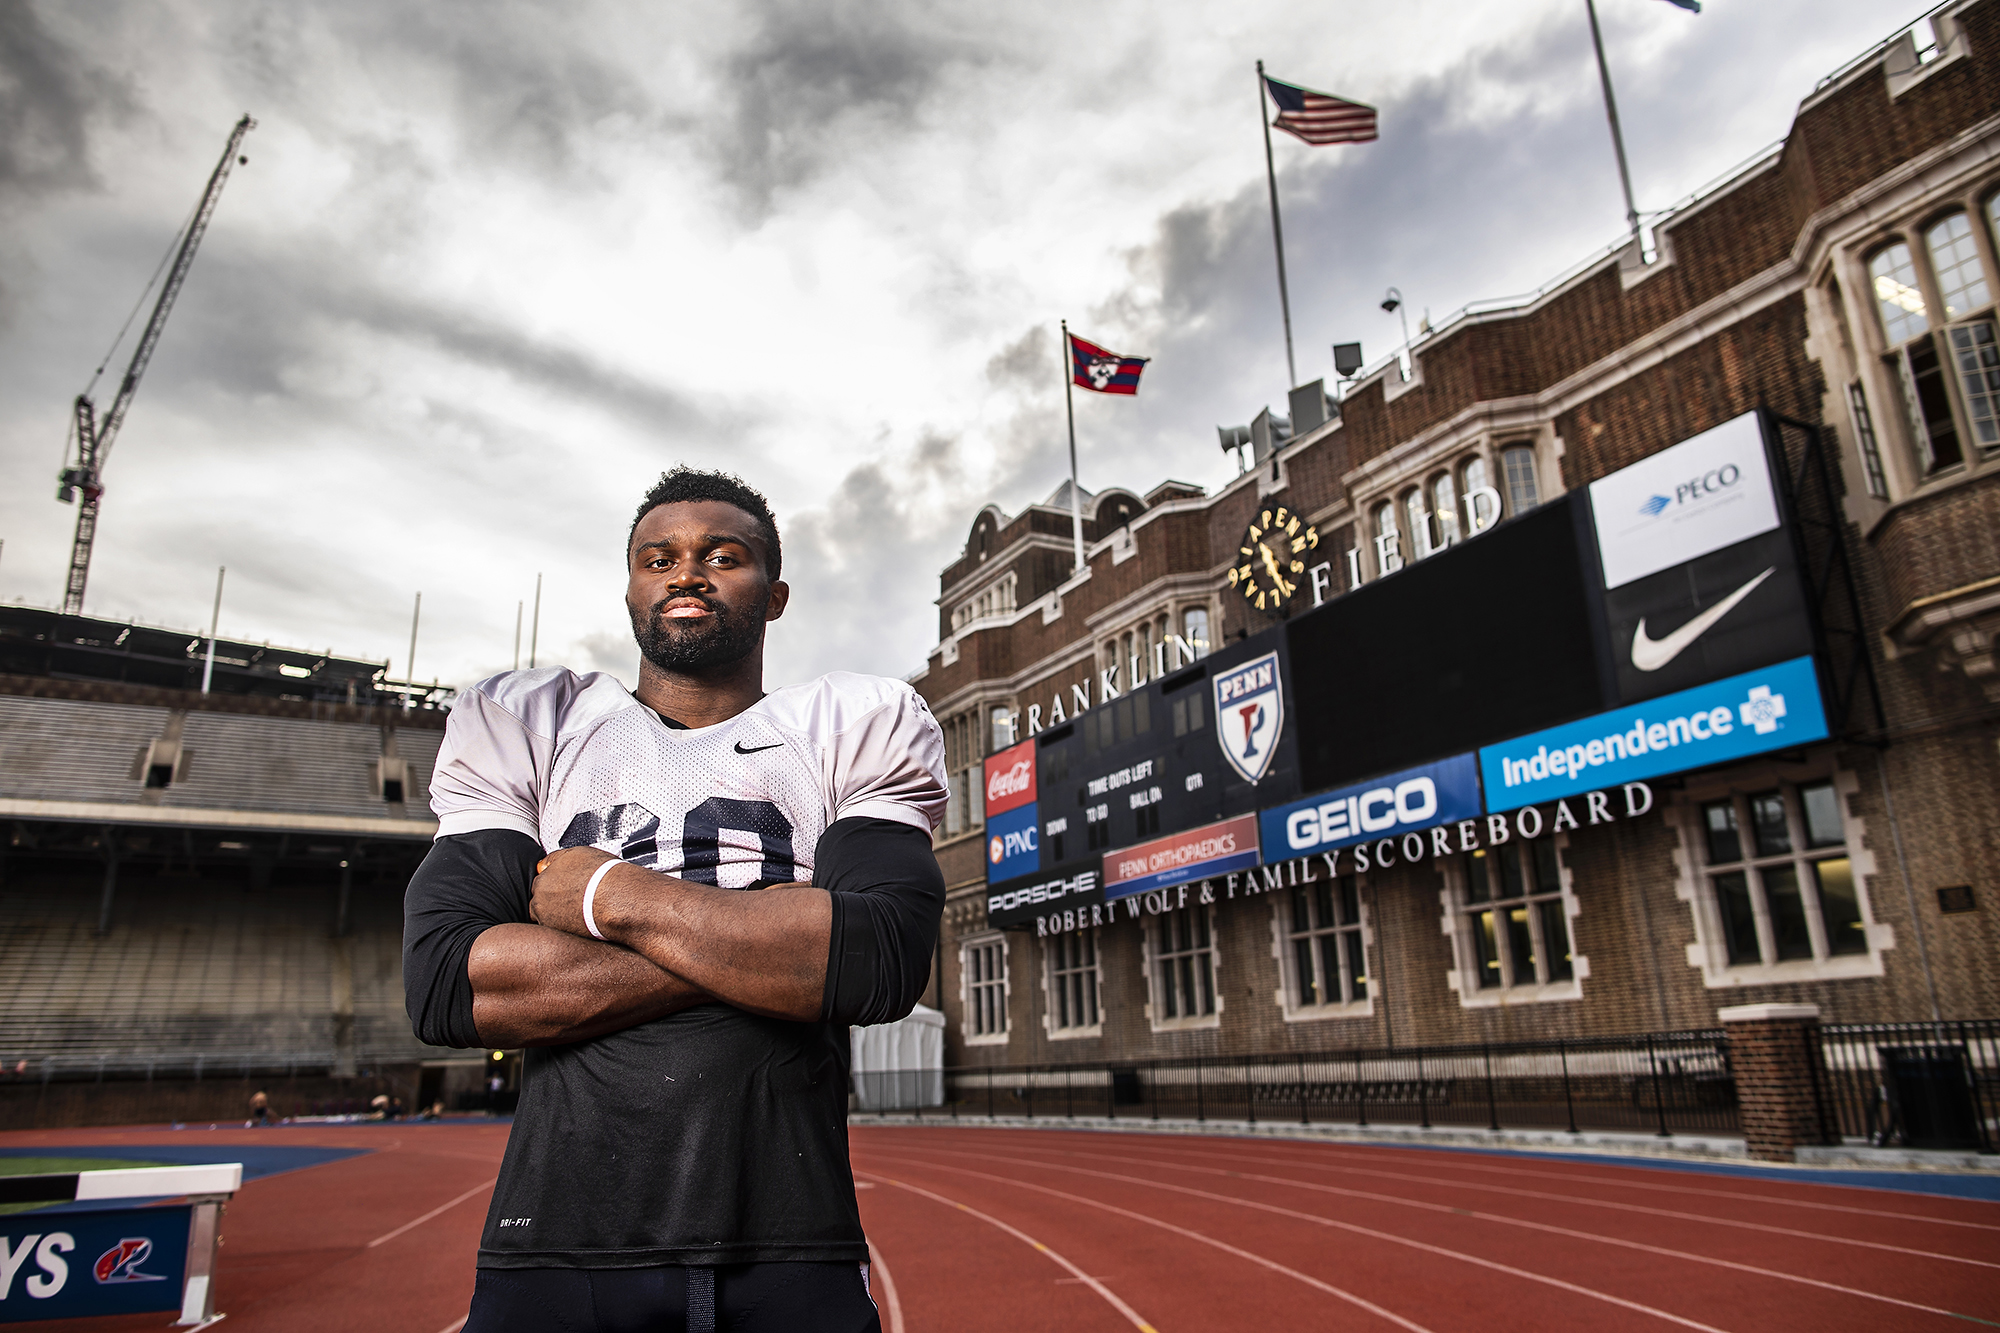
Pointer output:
x,y
1392,301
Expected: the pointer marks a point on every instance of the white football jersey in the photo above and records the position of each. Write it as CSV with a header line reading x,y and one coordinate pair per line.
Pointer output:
x,y
576,761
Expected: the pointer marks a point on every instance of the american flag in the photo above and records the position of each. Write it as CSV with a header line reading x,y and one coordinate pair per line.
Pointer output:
x,y
1318,118
1091,367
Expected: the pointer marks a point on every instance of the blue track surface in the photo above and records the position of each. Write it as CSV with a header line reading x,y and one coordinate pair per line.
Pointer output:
x,y
259,1160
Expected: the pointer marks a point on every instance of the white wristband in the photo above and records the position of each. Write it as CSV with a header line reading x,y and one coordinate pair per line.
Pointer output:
x,y
590,897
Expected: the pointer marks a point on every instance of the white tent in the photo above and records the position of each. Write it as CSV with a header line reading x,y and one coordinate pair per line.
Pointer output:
x,y
900,1065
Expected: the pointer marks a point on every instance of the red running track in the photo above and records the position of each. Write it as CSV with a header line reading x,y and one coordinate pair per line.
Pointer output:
x,y
1032,1229
998,1229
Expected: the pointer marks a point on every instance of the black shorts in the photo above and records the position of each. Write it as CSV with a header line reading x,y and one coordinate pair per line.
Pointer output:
x,y
809,1297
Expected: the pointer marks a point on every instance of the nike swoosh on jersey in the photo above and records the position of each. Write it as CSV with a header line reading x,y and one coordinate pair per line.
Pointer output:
x,y
741,748
1651,654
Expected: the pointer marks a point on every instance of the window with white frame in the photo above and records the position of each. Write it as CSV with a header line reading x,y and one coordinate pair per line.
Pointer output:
x,y
1949,370
1194,621
997,599
1073,979
1003,728
1955,259
1865,441
1183,970
1779,876
1444,504
983,971
1482,502
1419,519
1325,958
965,799
1388,539
1514,919
1517,465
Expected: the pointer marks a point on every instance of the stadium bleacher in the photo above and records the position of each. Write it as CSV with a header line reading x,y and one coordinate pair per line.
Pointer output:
x,y
202,889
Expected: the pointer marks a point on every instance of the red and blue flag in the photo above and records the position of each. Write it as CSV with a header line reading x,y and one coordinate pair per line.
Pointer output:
x,y
1319,118
1091,367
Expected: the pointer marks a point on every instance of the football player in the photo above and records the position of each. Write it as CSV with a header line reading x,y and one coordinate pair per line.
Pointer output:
x,y
679,1152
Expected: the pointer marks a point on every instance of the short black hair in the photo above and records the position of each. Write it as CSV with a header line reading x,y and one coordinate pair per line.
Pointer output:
x,y
685,484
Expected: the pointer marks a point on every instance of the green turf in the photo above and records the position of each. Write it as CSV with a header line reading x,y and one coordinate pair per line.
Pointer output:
x,y
38,1166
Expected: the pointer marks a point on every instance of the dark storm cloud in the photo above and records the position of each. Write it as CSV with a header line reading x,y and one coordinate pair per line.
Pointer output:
x,y
1030,362
520,82
859,563
804,91
48,96
263,322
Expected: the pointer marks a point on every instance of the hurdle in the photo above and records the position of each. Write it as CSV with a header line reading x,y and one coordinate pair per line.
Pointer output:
x,y
141,1256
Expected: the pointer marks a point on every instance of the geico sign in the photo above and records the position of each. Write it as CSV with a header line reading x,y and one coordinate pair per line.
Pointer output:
x,y
1412,799
1372,811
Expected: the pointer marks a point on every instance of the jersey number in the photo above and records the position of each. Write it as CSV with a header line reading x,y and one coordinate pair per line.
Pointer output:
x,y
631,829
634,831
701,839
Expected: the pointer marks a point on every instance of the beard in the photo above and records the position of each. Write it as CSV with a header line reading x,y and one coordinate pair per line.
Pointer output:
x,y
691,647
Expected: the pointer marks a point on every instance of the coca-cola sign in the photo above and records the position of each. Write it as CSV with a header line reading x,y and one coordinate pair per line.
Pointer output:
x,y
1010,779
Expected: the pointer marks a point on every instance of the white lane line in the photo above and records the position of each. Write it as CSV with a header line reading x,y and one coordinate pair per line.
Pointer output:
x,y
879,1268
1492,1217
441,1208
1734,1196
1224,1246
1370,1232
1029,1239
1443,1182
1466,1161
1078,1273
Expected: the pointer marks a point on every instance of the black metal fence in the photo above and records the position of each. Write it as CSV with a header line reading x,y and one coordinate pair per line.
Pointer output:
x,y
1663,1083
1918,1085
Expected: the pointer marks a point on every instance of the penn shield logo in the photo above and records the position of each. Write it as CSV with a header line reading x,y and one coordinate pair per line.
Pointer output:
x,y
1250,715
120,1263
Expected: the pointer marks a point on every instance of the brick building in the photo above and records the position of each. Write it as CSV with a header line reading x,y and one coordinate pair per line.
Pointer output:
x,y
1842,284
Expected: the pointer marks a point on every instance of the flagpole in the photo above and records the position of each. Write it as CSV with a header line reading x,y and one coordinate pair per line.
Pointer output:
x,y
1069,403
1617,135
1277,228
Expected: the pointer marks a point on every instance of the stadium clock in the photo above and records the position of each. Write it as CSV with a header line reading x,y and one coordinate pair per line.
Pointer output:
x,y
1270,563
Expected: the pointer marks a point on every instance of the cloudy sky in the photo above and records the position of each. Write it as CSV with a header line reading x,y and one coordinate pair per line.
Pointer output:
x,y
492,267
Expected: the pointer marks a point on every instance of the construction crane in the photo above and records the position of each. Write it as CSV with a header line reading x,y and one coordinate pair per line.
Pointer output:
x,y
94,434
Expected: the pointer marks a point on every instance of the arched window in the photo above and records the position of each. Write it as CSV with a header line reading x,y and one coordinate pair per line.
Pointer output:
x,y
1444,505
1388,541
1195,618
1898,300
1517,462
1419,519
1955,260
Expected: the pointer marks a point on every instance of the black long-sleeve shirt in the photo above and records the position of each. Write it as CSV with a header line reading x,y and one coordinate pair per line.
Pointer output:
x,y
713,1135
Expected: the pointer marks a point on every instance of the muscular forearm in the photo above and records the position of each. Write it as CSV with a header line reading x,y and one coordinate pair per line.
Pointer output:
x,y
765,952
533,986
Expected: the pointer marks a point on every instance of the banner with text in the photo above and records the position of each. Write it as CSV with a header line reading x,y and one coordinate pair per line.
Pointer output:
x,y
1214,850
1762,710
1405,802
